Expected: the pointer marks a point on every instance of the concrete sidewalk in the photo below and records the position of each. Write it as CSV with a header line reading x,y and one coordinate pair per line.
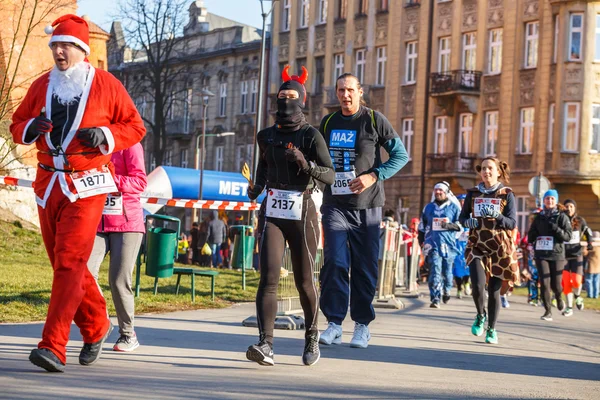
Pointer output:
x,y
415,353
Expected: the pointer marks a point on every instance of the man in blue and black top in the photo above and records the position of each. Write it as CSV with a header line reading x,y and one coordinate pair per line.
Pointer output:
x,y
352,209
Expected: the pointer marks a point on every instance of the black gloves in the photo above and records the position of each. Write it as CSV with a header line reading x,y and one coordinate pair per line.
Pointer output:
x,y
295,155
450,226
39,126
590,246
254,191
91,137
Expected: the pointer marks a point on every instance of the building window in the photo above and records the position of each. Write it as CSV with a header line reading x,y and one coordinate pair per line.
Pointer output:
x,y
222,99
341,9
168,158
219,150
408,130
363,7
253,95
595,136
304,13
322,11
361,60
444,55
286,19
469,51
319,74
597,52
465,133
152,163
383,5
441,130
570,138
171,102
239,157
249,152
526,130
410,74
531,44
381,61
244,97
338,61
522,215
187,104
183,155
491,133
575,37
495,56
556,32
550,127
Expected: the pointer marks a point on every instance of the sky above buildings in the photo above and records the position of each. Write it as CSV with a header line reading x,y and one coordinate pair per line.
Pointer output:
x,y
245,11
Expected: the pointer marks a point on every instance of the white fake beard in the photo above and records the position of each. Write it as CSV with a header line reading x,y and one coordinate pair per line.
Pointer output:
x,y
68,85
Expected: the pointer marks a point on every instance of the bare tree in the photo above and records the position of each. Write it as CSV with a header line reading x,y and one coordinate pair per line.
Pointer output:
x,y
154,32
29,19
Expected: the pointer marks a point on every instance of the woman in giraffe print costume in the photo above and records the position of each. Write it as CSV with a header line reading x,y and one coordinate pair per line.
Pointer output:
x,y
489,212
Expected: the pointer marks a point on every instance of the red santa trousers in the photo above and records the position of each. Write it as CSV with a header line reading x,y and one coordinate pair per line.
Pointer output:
x,y
68,230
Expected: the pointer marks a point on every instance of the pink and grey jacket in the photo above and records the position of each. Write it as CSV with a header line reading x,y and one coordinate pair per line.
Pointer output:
x,y
130,178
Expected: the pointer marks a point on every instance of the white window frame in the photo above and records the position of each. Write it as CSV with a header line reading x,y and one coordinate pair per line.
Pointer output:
x,y
322,19
286,19
338,61
495,51
526,131
222,99
249,151
408,131
444,54
597,50
304,13
152,163
571,120
253,95
441,132
522,214
491,134
244,97
168,158
551,120
574,30
219,153
465,133
595,122
381,64
183,158
361,63
532,33
187,105
556,38
410,70
469,56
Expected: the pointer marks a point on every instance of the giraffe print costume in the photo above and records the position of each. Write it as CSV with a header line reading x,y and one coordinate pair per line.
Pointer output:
x,y
493,246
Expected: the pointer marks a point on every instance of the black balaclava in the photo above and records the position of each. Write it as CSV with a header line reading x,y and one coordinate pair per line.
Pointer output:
x,y
289,117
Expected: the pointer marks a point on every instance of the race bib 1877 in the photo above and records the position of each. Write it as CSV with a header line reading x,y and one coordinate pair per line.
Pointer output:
x,y
284,204
94,182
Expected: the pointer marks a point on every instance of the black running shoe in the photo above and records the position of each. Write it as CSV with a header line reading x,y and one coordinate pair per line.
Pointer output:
x,y
547,316
91,352
434,304
261,353
45,358
311,354
446,298
560,304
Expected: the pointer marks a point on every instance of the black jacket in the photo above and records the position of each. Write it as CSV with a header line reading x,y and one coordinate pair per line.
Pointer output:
x,y
578,224
558,226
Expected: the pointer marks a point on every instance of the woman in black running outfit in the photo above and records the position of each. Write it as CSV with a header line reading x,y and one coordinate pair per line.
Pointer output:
x,y
293,157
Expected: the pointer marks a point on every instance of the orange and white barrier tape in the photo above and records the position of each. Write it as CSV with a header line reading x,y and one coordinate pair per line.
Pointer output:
x,y
184,203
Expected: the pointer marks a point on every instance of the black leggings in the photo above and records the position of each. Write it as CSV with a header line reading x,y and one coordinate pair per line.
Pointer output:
x,y
478,278
550,272
461,281
302,237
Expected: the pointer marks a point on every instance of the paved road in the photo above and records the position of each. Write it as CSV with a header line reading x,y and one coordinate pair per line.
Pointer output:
x,y
415,353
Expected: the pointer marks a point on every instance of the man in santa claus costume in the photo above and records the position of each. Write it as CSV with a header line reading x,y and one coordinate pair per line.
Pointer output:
x,y
77,116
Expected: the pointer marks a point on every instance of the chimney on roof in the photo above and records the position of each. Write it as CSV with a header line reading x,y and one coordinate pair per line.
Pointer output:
x,y
198,19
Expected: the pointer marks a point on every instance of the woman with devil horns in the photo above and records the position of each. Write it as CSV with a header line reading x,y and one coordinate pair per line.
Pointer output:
x,y
293,158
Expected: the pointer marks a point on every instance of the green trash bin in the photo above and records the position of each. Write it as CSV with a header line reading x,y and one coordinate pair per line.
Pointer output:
x,y
162,232
243,246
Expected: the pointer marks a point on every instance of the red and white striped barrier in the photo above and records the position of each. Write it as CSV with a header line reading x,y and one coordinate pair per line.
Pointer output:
x,y
184,203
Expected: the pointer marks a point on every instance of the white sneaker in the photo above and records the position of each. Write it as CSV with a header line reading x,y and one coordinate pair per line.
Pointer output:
x,y
331,335
361,336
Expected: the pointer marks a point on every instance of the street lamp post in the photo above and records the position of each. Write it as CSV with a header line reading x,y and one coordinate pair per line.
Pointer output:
x,y
206,95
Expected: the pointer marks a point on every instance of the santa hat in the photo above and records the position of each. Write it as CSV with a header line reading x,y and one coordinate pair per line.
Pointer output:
x,y
71,29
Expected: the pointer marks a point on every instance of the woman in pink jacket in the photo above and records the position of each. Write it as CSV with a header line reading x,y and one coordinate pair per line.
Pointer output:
x,y
120,232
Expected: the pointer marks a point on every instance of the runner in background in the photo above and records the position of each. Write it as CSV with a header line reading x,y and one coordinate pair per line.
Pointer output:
x,y
460,269
490,214
292,158
548,233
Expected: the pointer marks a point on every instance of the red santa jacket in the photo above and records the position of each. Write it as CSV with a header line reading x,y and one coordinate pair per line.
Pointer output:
x,y
104,104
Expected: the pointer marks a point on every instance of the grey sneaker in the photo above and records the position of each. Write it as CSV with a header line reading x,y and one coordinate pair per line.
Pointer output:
x,y
126,343
361,336
262,353
91,352
332,335
45,358
311,353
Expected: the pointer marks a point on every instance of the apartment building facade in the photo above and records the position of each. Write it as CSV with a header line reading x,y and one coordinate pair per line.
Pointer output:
x,y
461,80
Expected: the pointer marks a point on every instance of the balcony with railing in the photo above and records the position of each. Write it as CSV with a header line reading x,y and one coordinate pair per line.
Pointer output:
x,y
181,126
449,163
458,81
412,3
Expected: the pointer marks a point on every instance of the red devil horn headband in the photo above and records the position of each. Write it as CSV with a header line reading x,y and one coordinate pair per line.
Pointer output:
x,y
301,79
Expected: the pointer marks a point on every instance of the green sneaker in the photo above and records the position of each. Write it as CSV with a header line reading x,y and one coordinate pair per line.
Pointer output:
x,y
579,303
491,336
477,328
